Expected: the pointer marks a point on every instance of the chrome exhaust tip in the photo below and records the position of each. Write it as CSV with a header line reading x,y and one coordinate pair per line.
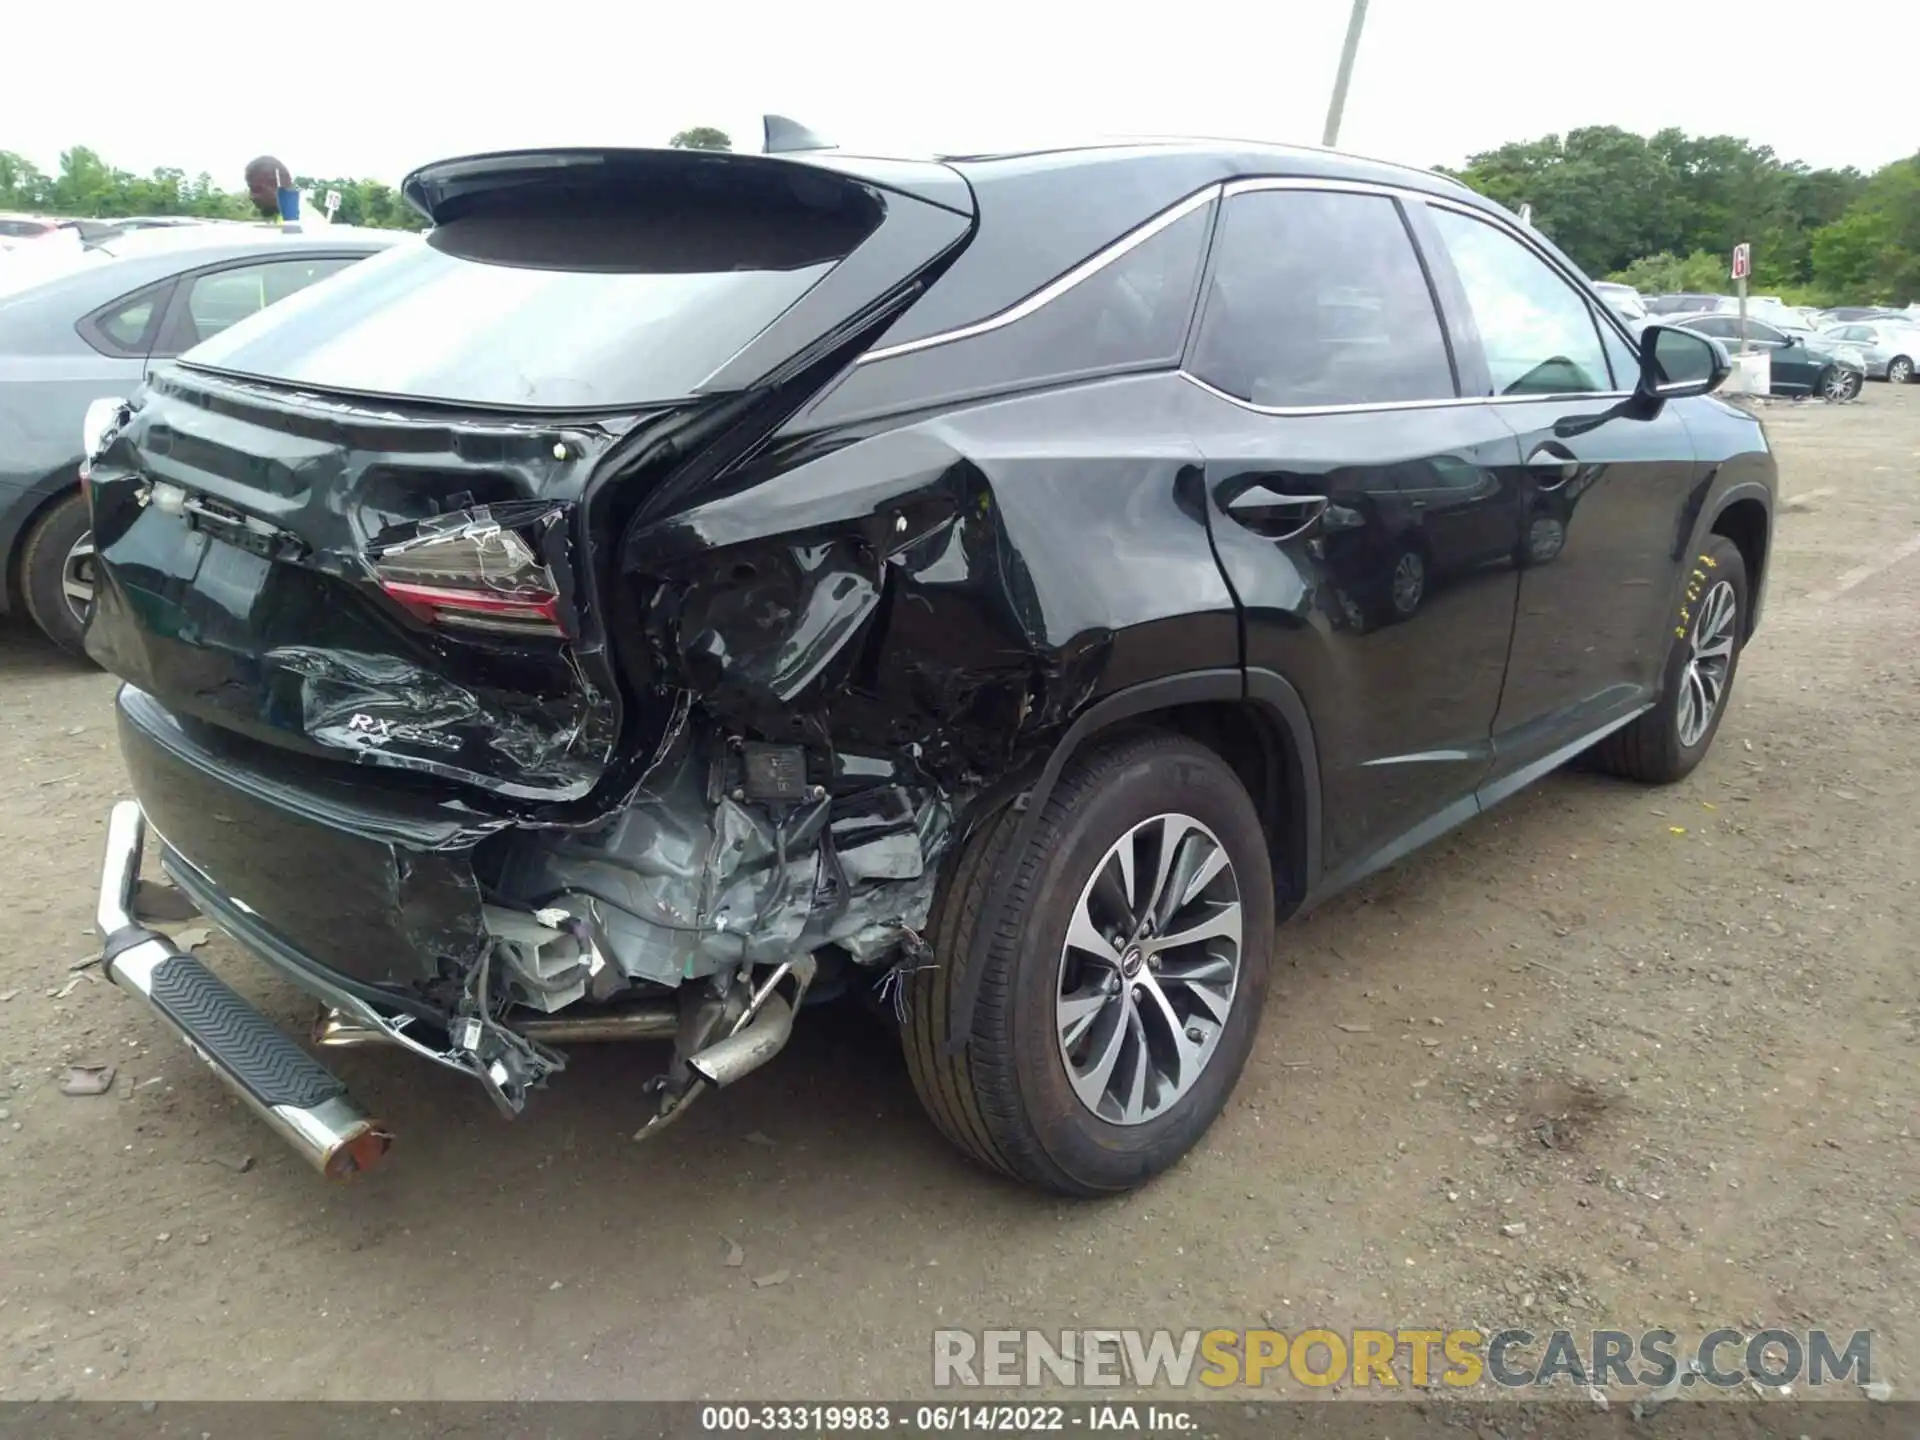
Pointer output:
x,y
745,1051
762,1031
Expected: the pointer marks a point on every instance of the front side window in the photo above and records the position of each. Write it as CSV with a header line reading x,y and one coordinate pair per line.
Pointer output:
x,y
1317,299
1537,332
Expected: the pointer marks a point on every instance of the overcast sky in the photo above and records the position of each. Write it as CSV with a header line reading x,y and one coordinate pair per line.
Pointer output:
x,y
376,88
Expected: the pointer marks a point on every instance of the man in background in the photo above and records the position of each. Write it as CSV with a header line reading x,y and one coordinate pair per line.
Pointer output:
x,y
270,186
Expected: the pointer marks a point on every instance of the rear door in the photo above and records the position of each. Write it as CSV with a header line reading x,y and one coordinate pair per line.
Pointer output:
x,y
1614,478
1325,401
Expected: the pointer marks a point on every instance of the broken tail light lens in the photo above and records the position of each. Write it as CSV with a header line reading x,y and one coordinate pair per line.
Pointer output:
x,y
469,572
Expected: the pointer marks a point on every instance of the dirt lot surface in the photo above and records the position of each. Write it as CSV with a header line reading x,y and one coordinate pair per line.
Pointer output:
x,y
1606,1056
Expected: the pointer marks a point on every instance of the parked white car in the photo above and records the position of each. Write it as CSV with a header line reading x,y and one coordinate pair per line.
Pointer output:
x,y
1891,348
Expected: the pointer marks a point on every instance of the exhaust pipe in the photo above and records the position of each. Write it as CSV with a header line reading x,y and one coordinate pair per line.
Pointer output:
x,y
762,1030
303,1102
338,1030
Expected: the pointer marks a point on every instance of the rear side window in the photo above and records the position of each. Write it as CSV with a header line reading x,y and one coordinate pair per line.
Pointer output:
x,y
1539,336
126,327
570,307
1318,298
223,298
1130,314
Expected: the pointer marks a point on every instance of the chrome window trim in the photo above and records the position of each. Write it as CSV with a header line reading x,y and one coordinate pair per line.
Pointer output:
x,y
1225,190
1054,289
1316,182
1365,406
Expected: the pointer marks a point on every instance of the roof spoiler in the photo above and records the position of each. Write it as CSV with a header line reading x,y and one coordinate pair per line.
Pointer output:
x,y
785,137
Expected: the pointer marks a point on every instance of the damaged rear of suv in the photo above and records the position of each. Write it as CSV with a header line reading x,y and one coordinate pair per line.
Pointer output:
x,y
685,586
511,665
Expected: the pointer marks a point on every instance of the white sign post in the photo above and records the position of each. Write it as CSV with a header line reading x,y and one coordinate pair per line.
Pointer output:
x,y
1742,267
332,204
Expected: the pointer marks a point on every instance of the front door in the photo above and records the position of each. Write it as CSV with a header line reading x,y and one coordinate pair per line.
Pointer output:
x,y
1607,482
1363,514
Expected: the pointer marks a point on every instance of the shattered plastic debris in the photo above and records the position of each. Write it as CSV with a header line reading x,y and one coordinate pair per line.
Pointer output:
x,y
776,1277
736,1257
87,1080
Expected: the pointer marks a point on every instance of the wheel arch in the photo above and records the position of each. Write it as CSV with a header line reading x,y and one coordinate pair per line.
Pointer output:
x,y
1745,521
1254,720
33,506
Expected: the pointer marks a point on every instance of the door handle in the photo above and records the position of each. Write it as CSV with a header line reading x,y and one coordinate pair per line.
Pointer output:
x,y
1276,516
1553,456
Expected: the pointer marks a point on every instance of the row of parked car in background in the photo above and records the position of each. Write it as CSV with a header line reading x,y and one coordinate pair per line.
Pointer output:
x,y
1811,351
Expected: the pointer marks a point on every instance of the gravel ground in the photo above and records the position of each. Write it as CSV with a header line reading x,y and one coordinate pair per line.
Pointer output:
x,y
1608,1056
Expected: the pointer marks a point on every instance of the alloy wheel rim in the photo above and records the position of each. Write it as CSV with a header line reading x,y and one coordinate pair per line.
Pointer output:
x,y
1409,579
1899,371
1839,385
76,578
1544,538
1150,969
1703,684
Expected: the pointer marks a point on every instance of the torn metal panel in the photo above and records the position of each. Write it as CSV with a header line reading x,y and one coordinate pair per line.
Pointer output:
x,y
895,616
694,877
401,588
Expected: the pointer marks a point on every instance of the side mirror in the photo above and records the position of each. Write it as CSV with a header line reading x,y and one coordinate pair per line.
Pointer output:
x,y
1676,363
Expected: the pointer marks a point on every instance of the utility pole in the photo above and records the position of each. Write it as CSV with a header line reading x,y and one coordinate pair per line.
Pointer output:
x,y
1355,23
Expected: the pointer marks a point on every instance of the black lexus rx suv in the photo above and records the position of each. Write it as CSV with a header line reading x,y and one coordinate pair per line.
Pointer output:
x,y
683,587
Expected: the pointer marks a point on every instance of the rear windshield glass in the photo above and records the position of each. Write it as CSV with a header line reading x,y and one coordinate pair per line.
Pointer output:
x,y
581,308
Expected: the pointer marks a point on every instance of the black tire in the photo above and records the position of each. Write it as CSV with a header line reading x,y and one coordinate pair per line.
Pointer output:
x,y
1837,385
1651,749
1900,369
1006,1098
43,563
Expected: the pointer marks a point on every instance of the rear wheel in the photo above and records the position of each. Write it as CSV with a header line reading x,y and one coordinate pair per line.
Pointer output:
x,y
1665,743
1124,977
56,573
1900,369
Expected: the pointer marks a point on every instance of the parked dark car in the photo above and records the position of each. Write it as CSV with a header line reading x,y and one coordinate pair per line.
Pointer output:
x,y
92,330
692,584
1799,363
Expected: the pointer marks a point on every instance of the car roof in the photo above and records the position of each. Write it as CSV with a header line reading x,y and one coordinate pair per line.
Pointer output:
x,y
71,287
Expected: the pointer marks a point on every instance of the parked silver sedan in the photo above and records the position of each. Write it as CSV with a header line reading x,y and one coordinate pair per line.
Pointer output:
x,y
79,325
1891,348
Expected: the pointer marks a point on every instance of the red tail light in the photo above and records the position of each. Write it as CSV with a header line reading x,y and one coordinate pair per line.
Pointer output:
x,y
468,572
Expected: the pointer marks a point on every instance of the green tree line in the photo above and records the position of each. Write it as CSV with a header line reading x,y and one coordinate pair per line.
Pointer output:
x,y
87,187
1663,213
